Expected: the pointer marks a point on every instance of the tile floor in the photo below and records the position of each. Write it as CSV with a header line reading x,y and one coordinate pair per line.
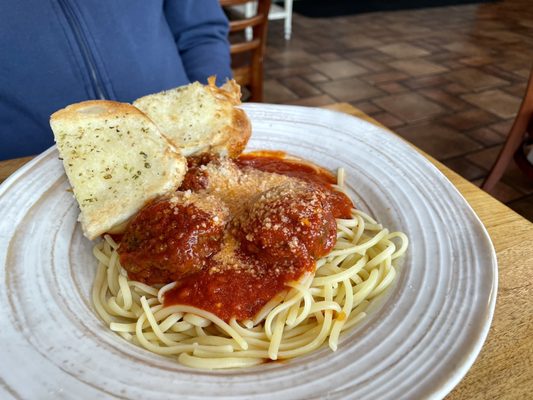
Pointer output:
x,y
449,79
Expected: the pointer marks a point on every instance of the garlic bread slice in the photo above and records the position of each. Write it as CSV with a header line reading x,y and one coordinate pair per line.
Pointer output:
x,y
116,161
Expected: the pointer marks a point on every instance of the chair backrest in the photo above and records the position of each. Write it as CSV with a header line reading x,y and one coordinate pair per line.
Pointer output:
x,y
248,71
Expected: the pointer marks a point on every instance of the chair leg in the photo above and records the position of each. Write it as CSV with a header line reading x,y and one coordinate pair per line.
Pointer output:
x,y
288,19
513,142
249,11
514,138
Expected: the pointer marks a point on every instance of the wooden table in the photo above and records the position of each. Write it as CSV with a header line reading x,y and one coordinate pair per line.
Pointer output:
x,y
504,368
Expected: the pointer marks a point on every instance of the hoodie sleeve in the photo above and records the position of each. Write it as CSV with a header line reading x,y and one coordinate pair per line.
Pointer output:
x,y
200,30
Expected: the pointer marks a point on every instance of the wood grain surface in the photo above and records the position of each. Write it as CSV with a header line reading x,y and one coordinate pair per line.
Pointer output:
x,y
7,167
504,368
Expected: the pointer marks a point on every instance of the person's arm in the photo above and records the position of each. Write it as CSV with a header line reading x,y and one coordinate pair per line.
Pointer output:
x,y
200,30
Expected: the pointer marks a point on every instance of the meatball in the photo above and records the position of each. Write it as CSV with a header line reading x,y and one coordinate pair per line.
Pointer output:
x,y
172,238
293,219
196,177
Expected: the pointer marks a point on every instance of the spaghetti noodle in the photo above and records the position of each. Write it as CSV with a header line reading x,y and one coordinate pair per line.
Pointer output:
x,y
319,307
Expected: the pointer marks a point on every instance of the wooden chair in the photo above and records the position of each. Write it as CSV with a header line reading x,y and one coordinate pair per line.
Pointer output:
x,y
248,70
521,131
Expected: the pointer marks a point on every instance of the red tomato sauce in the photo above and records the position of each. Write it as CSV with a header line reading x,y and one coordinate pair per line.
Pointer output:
x,y
235,292
275,161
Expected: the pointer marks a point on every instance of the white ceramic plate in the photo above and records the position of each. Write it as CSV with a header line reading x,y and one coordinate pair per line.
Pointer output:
x,y
417,342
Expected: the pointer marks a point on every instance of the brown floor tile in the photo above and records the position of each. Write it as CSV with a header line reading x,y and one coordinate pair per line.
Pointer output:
x,y
444,56
438,140
455,88
270,64
445,99
339,69
370,65
392,87
466,48
526,23
518,90
465,168
270,50
496,71
476,61
315,101
503,36
300,87
389,120
275,92
409,107
486,136
294,57
425,81
485,158
503,127
524,207
352,89
470,119
331,56
419,31
502,191
386,76
418,67
436,40
425,42
512,64
452,64
473,78
431,48
285,72
358,41
315,77
524,73
495,101
367,107
514,177
368,54
403,50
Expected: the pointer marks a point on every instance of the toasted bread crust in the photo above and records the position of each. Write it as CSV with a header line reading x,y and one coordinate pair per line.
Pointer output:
x,y
104,108
242,130
229,91
225,130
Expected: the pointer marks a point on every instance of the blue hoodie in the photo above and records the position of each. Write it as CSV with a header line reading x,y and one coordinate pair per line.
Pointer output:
x,y
57,52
